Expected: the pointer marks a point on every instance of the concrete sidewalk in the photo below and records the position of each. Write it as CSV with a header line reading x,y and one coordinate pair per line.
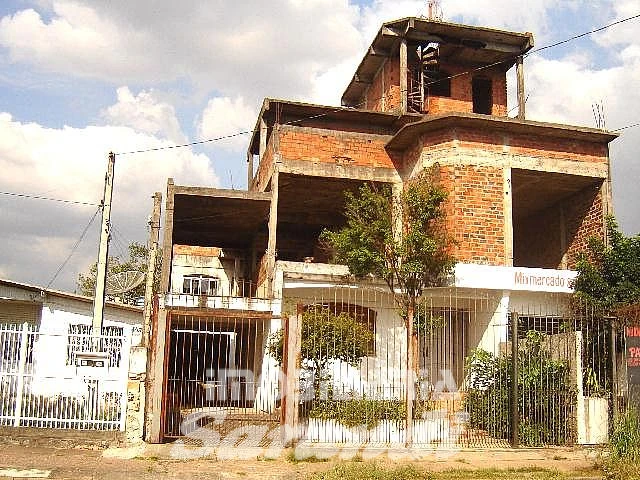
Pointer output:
x,y
182,461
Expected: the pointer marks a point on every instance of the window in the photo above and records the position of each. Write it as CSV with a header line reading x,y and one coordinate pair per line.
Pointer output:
x,y
200,285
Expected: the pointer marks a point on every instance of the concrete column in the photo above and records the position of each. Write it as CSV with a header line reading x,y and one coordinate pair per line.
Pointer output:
x,y
263,137
403,76
155,380
273,227
249,169
521,93
167,240
290,381
507,205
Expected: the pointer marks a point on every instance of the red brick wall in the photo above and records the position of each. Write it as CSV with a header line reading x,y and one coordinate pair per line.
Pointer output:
x,y
475,213
342,148
384,93
584,216
461,99
532,145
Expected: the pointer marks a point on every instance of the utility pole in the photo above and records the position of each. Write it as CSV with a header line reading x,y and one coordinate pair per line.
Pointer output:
x,y
103,251
154,234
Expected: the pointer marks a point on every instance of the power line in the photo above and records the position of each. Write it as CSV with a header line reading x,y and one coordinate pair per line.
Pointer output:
x,y
75,247
468,72
625,127
38,197
575,37
190,144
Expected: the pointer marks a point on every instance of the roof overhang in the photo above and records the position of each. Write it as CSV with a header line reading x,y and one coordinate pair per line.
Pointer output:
x,y
467,44
409,132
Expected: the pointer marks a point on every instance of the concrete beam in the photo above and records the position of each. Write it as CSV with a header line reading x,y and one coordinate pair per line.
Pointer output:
x,y
351,172
220,193
538,164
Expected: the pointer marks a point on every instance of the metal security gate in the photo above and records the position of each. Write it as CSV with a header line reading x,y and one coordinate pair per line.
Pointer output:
x,y
219,383
469,389
71,381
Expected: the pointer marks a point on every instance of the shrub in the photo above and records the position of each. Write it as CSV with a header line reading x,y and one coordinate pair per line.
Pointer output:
x,y
625,438
546,397
367,412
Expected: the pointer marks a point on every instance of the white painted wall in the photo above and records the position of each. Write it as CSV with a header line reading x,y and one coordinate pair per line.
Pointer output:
x,y
225,268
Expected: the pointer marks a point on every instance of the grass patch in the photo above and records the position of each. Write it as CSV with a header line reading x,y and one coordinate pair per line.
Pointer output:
x,y
293,458
373,471
623,462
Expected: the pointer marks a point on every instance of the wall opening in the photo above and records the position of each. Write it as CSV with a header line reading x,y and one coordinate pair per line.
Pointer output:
x,y
438,84
482,95
554,214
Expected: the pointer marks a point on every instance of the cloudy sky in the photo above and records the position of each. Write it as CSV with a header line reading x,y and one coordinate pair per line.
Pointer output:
x,y
80,78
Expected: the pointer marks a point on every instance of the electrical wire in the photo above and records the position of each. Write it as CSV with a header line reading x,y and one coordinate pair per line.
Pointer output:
x,y
190,144
625,127
575,37
74,248
468,72
38,197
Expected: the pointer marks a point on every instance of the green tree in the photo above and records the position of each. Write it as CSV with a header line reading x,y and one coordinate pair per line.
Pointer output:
x,y
609,274
137,261
325,337
410,257
404,242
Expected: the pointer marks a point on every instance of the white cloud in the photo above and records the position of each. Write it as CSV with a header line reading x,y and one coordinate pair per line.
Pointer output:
x,y
70,163
564,90
145,113
226,116
274,47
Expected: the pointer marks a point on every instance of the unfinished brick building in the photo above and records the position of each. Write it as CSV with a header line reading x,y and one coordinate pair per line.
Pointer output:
x,y
524,197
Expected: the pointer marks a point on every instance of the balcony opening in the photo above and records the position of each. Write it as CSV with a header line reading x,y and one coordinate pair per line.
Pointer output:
x,y
553,216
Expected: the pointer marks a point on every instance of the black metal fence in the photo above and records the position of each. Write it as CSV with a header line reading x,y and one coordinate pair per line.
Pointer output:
x,y
480,370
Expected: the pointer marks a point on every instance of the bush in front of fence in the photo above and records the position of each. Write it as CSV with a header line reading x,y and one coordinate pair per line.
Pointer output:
x,y
546,399
356,412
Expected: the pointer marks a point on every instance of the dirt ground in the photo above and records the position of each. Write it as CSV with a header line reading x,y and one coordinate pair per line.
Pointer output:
x,y
153,462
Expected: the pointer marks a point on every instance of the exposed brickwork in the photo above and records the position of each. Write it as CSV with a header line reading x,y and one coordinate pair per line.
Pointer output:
x,y
384,93
341,148
531,145
471,168
475,212
585,219
263,174
461,99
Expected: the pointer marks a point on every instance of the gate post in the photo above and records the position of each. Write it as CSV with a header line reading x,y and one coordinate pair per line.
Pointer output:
x,y
21,364
614,371
291,383
515,411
